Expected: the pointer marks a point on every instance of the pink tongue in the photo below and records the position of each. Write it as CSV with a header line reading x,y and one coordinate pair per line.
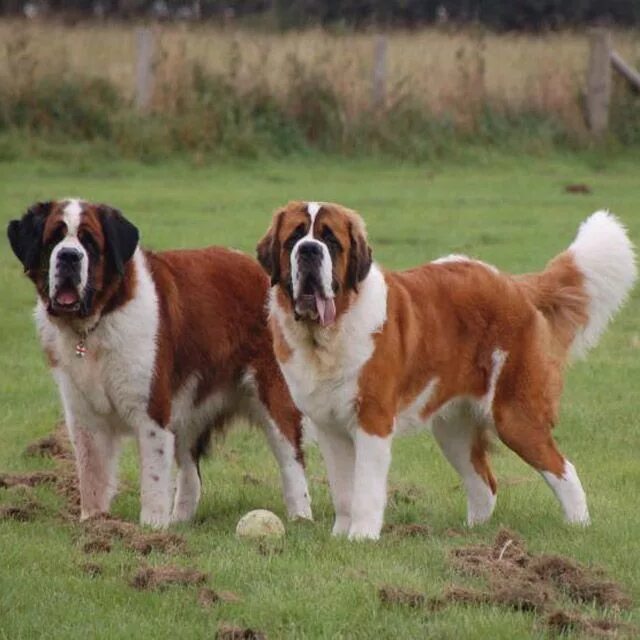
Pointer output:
x,y
326,310
67,297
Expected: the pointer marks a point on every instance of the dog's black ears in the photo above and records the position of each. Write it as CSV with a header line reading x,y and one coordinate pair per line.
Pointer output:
x,y
359,255
268,249
120,236
25,235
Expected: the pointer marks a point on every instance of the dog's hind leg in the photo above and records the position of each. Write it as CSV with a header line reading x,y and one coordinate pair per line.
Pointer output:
x,y
188,483
464,444
531,439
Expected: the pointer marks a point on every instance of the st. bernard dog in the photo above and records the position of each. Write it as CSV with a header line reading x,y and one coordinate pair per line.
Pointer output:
x,y
167,347
455,345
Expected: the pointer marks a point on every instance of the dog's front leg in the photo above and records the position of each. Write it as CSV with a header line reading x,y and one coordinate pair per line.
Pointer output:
x,y
339,457
96,452
156,448
96,448
373,456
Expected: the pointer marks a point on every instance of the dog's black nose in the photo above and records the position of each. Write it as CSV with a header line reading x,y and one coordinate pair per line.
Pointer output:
x,y
69,256
309,249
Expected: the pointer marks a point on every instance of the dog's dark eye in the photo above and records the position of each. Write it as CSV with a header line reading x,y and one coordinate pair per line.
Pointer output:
x,y
297,234
56,236
330,239
89,243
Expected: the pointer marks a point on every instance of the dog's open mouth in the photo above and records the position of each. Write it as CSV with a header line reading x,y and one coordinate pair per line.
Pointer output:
x,y
312,304
66,298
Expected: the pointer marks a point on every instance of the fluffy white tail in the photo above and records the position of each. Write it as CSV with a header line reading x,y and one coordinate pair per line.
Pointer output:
x,y
604,255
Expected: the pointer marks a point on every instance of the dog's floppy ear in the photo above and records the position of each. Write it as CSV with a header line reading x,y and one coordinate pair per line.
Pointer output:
x,y
359,254
120,236
25,235
268,249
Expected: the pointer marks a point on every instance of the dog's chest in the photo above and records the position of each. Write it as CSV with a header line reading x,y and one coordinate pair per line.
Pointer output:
x,y
324,384
327,401
90,374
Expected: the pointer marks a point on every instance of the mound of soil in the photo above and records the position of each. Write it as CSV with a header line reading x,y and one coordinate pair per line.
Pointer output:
x,y
20,512
517,579
110,528
208,597
232,632
408,530
56,445
563,622
33,479
158,578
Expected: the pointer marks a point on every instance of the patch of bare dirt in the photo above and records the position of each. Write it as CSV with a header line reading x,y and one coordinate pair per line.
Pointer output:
x,y
247,478
33,479
457,595
158,578
577,188
97,544
133,538
563,622
208,597
56,445
579,583
400,596
517,579
408,530
233,632
24,512
145,543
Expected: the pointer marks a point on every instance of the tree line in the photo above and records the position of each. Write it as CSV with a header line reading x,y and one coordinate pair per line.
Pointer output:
x,y
528,15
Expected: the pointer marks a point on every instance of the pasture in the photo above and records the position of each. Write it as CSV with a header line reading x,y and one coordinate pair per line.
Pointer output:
x,y
511,211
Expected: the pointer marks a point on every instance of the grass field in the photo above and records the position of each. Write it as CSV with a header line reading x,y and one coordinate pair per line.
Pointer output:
x,y
513,212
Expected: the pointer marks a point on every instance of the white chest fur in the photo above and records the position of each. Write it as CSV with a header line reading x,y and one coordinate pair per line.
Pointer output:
x,y
323,370
114,377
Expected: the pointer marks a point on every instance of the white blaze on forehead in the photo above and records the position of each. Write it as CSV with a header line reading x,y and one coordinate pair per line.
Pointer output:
x,y
312,210
326,267
72,214
72,217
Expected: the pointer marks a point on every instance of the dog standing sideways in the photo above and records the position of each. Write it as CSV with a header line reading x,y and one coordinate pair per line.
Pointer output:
x,y
167,347
454,344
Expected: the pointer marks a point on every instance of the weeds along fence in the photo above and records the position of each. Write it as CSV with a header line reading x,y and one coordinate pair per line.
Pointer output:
x,y
148,92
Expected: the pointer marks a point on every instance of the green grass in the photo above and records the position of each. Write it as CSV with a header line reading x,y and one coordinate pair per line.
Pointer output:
x,y
510,211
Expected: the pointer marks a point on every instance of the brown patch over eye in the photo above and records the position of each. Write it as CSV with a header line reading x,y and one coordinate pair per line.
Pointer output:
x,y
329,238
89,243
56,235
297,234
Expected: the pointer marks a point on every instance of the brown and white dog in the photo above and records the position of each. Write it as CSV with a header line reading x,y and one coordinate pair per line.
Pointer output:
x,y
455,345
165,346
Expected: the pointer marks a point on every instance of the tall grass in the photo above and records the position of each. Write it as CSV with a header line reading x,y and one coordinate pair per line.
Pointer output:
x,y
241,91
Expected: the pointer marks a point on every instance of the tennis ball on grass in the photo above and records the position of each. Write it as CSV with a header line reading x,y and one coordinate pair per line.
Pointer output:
x,y
260,523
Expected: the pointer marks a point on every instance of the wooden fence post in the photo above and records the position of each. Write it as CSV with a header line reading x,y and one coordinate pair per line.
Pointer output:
x,y
599,82
145,54
379,84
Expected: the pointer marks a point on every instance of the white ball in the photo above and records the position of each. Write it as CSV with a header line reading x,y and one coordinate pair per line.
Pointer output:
x,y
260,523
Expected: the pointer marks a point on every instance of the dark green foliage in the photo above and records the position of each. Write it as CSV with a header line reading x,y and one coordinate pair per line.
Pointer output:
x,y
209,115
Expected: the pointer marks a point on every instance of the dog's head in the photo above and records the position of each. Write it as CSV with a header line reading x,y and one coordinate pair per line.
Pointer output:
x,y
317,253
75,252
